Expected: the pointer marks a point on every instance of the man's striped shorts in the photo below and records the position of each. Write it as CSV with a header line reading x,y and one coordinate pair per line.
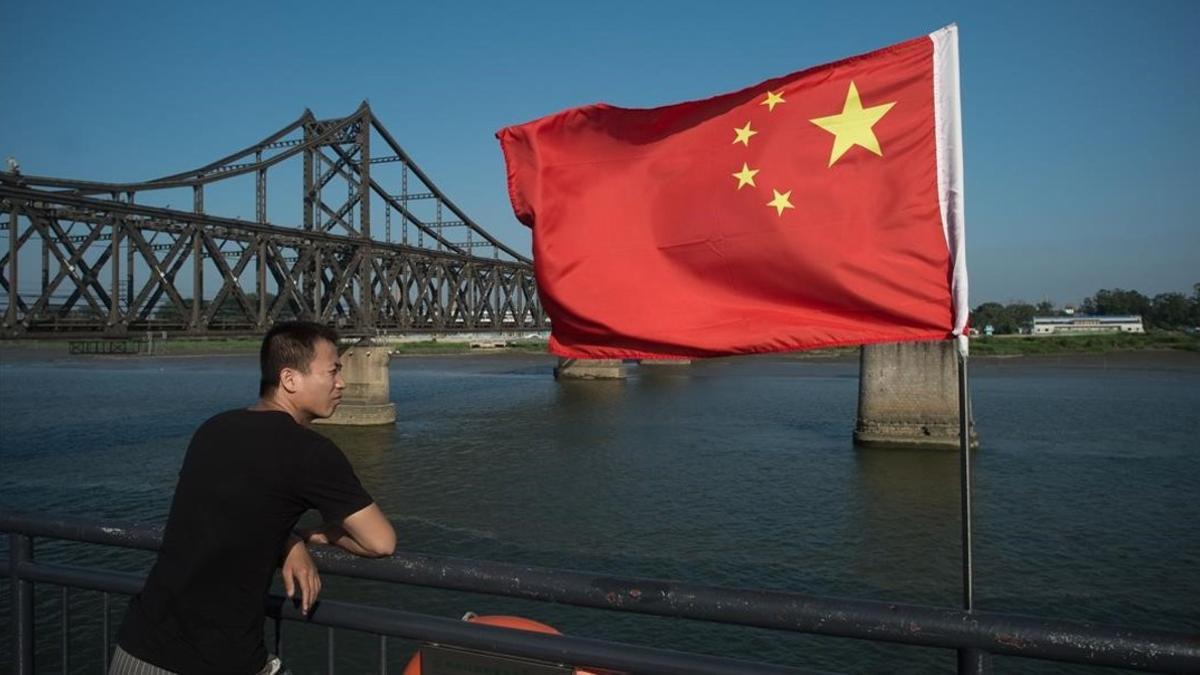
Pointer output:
x,y
124,663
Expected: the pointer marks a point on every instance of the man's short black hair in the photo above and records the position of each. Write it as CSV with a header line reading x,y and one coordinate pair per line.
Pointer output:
x,y
290,344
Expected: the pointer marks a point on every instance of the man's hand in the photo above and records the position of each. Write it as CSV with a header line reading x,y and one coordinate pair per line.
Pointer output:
x,y
299,570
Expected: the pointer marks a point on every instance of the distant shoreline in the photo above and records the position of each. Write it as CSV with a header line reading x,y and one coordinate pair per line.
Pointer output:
x,y
35,350
1096,343
997,348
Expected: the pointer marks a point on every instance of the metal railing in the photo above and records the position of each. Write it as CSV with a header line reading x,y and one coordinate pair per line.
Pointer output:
x,y
968,632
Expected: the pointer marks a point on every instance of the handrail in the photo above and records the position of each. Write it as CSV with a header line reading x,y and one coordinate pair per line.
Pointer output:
x,y
996,633
413,625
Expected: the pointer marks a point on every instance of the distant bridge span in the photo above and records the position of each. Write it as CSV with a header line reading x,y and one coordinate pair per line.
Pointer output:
x,y
81,258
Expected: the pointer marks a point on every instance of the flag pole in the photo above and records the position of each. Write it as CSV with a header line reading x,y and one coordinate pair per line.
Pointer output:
x,y
964,442
948,123
970,660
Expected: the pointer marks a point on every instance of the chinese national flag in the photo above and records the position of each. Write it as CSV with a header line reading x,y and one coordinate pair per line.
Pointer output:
x,y
817,209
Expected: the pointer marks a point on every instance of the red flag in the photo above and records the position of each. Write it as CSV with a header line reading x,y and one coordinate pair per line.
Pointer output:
x,y
817,209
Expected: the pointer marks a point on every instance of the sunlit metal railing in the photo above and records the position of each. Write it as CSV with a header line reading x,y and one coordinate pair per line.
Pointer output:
x,y
987,632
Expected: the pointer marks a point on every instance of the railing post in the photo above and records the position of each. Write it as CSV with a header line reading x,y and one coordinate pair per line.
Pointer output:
x,y
20,550
974,662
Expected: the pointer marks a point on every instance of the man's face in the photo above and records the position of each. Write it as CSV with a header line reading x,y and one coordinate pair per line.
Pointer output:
x,y
319,391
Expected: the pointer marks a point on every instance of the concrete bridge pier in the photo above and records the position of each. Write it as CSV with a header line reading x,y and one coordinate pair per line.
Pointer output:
x,y
908,396
365,401
590,369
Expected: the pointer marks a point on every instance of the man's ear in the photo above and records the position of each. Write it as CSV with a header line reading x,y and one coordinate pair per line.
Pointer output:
x,y
287,380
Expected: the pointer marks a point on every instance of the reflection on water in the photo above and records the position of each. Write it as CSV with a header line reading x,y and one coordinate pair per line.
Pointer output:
x,y
367,443
733,472
906,520
588,396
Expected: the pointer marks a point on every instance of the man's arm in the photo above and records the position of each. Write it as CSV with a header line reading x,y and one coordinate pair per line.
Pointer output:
x,y
365,532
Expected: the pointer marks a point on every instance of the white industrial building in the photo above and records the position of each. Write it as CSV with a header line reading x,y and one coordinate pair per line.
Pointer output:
x,y
1060,325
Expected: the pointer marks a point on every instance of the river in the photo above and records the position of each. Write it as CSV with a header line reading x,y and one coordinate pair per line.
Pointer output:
x,y
733,472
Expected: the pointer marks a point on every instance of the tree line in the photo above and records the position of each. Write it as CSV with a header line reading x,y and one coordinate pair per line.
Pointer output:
x,y
1166,311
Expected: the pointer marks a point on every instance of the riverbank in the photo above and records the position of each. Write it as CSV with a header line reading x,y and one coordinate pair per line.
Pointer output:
x,y
1100,343
1000,346
1057,345
37,350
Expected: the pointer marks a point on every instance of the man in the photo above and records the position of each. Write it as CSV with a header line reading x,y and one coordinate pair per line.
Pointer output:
x,y
247,477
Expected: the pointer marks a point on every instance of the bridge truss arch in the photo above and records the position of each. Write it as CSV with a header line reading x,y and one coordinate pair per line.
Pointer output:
x,y
112,259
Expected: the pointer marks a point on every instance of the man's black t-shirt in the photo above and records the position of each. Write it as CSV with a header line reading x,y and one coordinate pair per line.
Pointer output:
x,y
246,479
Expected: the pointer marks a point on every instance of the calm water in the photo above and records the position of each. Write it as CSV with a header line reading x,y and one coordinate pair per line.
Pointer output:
x,y
732,472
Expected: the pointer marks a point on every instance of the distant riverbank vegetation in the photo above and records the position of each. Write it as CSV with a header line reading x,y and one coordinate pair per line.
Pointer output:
x,y
1165,311
1096,343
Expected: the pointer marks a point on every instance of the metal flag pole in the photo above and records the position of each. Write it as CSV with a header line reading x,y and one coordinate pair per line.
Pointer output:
x,y
964,443
973,661
948,121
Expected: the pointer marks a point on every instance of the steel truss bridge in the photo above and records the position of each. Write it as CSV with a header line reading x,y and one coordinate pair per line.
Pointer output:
x,y
115,259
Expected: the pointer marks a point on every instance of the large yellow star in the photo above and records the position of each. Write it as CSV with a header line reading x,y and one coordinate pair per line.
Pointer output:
x,y
773,100
744,134
853,125
781,201
745,176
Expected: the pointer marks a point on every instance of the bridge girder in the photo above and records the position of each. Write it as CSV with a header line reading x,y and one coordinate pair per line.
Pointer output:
x,y
113,266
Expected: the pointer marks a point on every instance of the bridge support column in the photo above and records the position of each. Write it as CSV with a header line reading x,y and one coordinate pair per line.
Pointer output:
x,y
590,369
365,401
908,396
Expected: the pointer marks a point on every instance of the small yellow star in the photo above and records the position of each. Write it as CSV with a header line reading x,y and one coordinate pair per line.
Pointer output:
x,y
773,100
781,202
744,134
745,176
852,126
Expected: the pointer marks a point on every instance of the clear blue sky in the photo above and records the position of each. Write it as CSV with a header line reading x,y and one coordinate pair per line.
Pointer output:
x,y
1080,117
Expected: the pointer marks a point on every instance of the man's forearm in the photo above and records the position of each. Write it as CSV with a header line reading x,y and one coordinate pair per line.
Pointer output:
x,y
334,535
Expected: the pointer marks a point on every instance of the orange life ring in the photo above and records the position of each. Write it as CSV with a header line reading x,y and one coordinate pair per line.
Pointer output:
x,y
504,621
